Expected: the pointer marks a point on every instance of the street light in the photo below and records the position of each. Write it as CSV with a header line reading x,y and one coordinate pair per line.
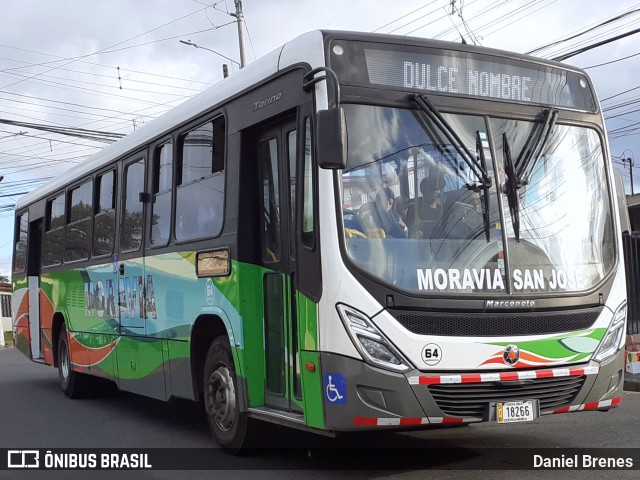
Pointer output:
x,y
189,42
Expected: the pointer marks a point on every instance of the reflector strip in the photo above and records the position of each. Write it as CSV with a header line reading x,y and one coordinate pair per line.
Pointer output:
x,y
503,376
409,421
590,406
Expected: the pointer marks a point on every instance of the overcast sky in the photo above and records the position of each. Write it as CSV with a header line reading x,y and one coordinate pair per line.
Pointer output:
x,y
115,65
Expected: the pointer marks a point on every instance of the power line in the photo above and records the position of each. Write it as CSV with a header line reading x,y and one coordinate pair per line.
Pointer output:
x,y
97,135
589,29
95,74
595,45
405,15
612,61
110,67
618,94
72,60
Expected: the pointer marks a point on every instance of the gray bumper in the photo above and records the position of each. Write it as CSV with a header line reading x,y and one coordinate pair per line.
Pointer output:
x,y
357,396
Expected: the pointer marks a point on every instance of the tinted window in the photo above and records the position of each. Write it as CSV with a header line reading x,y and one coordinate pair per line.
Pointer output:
x,y
56,213
308,196
200,190
268,160
20,250
80,207
54,234
106,192
131,229
197,153
78,238
105,219
291,153
161,207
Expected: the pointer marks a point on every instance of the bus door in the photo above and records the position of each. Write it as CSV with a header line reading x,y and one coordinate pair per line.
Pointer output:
x,y
130,287
276,154
33,279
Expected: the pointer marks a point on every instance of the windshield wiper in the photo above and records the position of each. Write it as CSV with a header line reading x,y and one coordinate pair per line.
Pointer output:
x,y
439,121
485,191
511,186
519,174
533,148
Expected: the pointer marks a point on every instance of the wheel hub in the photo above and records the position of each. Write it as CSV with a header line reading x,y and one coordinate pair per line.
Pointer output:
x,y
221,398
64,361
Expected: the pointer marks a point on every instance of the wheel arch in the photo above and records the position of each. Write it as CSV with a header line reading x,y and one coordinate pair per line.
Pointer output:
x,y
206,329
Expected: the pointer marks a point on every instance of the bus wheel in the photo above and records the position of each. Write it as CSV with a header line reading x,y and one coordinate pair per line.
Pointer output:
x,y
74,384
226,422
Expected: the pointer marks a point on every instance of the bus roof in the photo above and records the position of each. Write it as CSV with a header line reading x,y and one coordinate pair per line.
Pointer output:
x,y
306,48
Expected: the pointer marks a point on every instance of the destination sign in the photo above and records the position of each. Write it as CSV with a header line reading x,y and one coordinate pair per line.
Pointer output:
x,y
486,77
445,71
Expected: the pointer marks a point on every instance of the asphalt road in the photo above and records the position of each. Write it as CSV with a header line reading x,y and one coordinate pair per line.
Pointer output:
x,y
34,413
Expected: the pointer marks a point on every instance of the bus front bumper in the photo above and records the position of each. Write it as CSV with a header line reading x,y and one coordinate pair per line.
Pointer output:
x,y
357,396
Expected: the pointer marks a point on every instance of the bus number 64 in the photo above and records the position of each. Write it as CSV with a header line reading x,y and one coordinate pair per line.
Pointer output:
x,y
431,354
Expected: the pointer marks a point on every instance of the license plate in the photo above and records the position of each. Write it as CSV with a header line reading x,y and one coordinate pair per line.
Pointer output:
x,y
510,412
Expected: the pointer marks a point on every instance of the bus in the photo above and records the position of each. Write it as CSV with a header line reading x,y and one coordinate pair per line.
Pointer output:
x,y
355,232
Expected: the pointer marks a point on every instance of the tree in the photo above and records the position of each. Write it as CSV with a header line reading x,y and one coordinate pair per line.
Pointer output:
x,y
4,279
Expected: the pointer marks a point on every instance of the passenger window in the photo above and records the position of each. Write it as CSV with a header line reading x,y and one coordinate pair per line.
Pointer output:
x,y
131,228
291,155
200,182
268,161
78,235
54,232
308,194
104,230
20,250
162,190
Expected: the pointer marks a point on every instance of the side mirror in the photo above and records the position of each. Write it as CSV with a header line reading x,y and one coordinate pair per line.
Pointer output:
x,y
331,140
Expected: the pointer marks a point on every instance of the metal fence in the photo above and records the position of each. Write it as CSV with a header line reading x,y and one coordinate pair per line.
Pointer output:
x,y
631,246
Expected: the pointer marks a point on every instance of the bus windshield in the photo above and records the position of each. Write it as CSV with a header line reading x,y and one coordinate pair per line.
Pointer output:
x,y
415,215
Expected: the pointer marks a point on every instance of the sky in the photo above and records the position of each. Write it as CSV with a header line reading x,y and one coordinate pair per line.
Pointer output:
x,y
114,66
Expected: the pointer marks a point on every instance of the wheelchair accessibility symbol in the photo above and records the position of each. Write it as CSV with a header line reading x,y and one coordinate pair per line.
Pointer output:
x,y
335,388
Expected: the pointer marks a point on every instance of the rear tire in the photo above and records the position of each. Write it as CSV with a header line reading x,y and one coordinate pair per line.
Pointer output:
x,y
74,384
228,424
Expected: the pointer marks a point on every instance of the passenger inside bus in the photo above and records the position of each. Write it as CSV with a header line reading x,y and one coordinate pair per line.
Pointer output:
x,y
386,216
380,219
424,215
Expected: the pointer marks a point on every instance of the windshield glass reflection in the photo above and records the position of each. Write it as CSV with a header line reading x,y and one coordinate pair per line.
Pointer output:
x,y
413,212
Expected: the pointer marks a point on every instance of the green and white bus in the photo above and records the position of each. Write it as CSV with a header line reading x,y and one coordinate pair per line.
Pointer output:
x,y
354,232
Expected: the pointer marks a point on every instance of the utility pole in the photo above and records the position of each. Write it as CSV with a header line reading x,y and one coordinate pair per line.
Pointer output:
x,y
630,160
240,18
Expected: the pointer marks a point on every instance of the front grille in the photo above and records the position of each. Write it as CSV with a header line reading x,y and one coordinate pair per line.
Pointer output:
x,y
495,324
472,399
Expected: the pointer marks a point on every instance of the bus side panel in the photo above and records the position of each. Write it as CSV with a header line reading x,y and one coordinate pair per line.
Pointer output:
x,y
46,319
20,311
312,395
79,296
178,297
252,366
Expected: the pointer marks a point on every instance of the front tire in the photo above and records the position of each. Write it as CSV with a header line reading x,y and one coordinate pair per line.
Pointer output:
x,y
74,384
228,424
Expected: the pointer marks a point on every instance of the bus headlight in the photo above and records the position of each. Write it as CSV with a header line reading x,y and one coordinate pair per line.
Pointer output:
x,y
374,347
614,338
